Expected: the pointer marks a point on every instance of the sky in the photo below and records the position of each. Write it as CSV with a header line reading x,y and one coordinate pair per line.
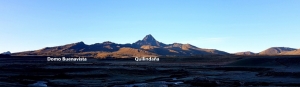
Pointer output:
x,y
226,25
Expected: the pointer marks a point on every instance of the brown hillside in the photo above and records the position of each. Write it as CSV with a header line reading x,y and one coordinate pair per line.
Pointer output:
x,y
276,50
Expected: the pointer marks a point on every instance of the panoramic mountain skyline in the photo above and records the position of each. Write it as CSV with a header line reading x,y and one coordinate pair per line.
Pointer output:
x,y
149,42
231,25
148,46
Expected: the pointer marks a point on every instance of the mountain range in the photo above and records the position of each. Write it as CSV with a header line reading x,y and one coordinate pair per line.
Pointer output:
x,y
148,46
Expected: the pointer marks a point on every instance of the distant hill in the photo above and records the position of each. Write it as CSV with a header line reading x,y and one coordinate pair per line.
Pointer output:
x,y
148,46
6,53
245,53
276,50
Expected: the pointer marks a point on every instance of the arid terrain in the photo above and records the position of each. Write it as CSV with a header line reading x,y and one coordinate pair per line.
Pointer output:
x,y
167,72
149,43
148,46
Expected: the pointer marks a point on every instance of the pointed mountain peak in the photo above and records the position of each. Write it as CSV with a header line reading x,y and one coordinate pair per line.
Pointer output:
x,y
149,38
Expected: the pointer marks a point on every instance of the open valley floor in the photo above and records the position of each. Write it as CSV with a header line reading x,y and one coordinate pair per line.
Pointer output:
x,y
167,72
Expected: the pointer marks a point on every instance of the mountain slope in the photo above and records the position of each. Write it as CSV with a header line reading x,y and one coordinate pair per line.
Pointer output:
x,y
294,52
69,48
245,53
276,50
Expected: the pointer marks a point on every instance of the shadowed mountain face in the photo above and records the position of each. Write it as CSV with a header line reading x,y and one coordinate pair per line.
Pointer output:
x,y
148,46
276,50
148,40
245,53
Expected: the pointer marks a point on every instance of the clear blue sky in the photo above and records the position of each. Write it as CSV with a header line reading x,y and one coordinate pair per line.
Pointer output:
x,y
227,25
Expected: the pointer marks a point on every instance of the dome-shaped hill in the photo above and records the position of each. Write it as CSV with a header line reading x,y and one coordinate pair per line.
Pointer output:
x,y
276,50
